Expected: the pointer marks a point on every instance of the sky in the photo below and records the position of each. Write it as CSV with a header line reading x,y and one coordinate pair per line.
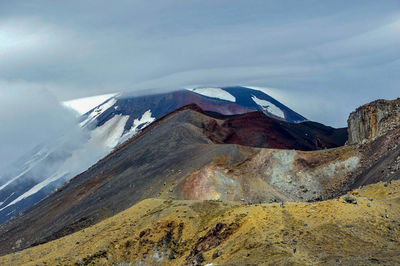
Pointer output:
x,y
321,58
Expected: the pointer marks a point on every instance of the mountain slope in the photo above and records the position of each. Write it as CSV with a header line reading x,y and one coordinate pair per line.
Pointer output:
x,y
165,159
165,232
258,130
110,124
188,154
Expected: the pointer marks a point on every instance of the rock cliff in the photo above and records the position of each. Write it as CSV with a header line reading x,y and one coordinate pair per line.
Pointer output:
x,y
373,120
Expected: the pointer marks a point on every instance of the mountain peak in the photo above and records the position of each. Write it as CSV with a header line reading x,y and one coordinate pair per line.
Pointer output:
x,y
84,105
116,118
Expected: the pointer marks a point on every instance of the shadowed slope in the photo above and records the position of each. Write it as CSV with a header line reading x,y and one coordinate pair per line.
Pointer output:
x,y
258,130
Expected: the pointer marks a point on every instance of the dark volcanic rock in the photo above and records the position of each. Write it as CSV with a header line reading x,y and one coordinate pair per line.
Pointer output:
x,y
258,130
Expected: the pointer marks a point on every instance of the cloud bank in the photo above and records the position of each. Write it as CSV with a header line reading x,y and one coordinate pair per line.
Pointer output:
x,y
325,57
30,116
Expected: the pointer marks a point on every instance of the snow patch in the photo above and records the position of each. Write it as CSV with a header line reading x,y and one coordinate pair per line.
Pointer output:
x,y
10,212
36,188
277,94
268,107
214,93
1,202
111,132
267,91
138,124
84,105
36,158
14,178
98,111
18,176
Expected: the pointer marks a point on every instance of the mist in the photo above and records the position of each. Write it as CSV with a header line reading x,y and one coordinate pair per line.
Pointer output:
x,y
34,121
29,117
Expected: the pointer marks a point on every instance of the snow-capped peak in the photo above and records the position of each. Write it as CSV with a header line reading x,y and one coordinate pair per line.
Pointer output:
x,y
84,105
269,107
98,111
214,93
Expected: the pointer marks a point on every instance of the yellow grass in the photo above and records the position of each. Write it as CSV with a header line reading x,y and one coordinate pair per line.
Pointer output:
x,y
164,232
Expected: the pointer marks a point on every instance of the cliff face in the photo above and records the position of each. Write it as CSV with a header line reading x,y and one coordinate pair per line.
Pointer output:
x,y
373,120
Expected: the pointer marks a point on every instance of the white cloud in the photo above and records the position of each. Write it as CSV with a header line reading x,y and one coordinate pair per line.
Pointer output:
x,y
335,53
29,115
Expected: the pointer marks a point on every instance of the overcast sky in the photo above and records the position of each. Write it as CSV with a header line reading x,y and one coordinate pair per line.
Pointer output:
x,y
323,58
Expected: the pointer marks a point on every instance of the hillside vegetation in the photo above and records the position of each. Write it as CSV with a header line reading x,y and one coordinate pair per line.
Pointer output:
x,y
362,227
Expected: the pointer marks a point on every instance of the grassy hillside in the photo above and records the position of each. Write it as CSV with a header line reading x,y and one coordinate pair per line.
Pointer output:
x,y
171,232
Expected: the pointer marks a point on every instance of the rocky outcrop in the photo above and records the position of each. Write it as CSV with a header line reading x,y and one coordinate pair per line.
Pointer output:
x,y
373,120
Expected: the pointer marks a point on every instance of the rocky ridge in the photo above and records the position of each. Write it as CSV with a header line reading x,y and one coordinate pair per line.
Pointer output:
x,y
373,120
375,129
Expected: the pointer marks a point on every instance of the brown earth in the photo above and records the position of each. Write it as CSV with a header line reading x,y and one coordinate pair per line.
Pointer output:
x,y
255,129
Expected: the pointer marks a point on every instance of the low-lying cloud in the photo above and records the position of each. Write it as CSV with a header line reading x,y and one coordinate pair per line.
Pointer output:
x,y
30,116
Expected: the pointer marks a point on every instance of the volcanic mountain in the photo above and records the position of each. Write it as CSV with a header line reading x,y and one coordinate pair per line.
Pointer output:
x,y
191,154
168,159
115,120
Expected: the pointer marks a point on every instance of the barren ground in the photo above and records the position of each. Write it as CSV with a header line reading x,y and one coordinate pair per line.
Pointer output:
x,y
172,232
